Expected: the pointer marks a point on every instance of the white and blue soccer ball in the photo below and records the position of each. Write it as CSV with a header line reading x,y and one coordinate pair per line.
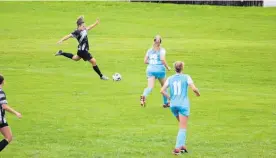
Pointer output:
x,y
117,77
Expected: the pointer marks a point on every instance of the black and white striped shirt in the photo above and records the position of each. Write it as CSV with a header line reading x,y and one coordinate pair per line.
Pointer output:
x,y
82,38
3,100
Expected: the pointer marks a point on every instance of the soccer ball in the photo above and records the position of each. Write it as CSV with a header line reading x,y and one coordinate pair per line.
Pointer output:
x,y
116,77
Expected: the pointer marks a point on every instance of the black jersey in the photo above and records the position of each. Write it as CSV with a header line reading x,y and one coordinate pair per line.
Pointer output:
x,y
3,100
82,38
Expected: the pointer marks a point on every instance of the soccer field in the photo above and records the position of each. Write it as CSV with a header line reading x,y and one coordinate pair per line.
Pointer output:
x,y
69,112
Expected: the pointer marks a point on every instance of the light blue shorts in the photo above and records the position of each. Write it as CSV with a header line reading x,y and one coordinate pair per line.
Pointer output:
x,y
158,75
180,110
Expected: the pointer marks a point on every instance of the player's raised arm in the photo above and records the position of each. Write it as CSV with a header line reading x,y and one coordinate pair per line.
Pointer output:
x,y
163,59
65,38
93,25
192,85
11,110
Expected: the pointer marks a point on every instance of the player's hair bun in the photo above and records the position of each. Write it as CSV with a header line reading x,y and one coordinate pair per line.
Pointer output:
x,y
178,65
80,20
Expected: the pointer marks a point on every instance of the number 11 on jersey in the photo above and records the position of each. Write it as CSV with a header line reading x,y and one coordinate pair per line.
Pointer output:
x,y
177,87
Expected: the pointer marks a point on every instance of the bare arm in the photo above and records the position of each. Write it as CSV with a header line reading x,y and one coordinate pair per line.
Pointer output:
x,y
163,60
93,25
164,90
11,110
192,85
196,91
65,38
146,61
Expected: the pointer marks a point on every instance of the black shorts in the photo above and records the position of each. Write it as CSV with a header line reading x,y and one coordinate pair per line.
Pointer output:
x,y
85,55
3,125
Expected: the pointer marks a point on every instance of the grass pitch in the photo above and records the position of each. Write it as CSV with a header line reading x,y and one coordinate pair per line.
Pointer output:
x,y
69,112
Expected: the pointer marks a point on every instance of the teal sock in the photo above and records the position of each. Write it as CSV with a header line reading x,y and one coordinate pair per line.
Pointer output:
x,y
181,138
147,91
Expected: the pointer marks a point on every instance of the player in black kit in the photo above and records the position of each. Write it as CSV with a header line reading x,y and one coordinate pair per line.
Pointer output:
x,y
4,127
81,35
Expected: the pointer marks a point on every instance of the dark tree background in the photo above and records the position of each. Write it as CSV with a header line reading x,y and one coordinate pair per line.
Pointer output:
x,y
210,2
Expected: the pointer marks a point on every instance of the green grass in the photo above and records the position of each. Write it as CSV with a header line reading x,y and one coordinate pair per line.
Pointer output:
x,y
68,112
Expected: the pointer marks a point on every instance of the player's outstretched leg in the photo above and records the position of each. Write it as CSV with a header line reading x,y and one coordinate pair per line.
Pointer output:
x,y
147,91
96,69
68,55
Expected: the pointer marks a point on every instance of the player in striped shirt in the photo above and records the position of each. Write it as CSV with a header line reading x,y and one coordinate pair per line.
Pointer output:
x,y
4,127
83,48
179,102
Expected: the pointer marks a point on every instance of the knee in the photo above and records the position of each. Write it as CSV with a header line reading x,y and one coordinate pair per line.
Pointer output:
x,y
93,61
150,86
75,59
9,138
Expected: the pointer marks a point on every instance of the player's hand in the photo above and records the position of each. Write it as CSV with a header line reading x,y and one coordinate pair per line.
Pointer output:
x,y
18,115
59,42
198,94
97,21
169,68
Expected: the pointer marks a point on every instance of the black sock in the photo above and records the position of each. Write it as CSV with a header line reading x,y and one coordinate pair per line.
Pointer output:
x,y
68,55
3,144
96,68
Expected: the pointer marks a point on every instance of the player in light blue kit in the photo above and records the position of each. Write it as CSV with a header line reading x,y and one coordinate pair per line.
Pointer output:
x,y
179,102
156,69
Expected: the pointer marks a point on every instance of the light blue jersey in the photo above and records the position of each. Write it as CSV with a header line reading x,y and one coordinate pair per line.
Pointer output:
x,y
155,67
179,84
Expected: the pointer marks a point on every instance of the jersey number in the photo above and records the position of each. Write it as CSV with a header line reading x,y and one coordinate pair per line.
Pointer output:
x,y
177,87
153,59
